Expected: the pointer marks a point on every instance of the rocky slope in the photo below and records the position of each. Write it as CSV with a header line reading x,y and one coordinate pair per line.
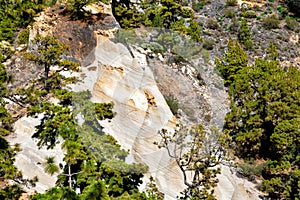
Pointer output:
x,y
137,85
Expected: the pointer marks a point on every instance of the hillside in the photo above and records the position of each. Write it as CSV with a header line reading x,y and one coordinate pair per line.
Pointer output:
x,y
149,100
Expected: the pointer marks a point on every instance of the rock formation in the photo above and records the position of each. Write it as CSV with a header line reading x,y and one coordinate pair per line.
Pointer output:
x,y
115,76
30,160
121,74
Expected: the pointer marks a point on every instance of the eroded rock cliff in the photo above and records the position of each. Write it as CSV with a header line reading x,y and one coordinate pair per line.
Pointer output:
x,y
121,74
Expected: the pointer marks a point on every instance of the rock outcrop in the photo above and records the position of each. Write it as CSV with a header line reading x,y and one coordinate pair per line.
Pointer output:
x,y
30,160
118,73
115,76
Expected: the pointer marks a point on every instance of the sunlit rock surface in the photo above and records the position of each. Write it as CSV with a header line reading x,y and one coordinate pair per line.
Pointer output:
x,y
30,160
116,76
113,73
121,75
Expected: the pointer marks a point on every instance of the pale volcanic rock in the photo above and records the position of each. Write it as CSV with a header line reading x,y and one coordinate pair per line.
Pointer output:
x,y
30,160
141,110
231,187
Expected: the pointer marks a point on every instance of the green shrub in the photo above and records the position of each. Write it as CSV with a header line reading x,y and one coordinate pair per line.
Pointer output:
x,y
282,10
197,6
248,14
291,24
206,55
229,13
244,34
212,24
251,169
173,104
23,36
234,26
208,44
271,22
231,2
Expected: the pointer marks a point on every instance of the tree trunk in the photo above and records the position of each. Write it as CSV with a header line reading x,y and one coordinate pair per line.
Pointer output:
x,y
70,176
46,76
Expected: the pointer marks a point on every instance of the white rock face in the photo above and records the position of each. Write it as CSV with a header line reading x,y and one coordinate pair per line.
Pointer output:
x,y
115,76
141,109
230,187
30,160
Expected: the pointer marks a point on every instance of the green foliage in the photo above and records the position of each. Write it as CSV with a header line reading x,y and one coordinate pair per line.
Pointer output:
x,y
152,191
17,14
196,152
126,14
208,44
56,117
7,153
56,193
173,104
212,24
251,169
244,34
248,14
168,11
47,53
7,169
166,14
233,61
283,172
194,31
51,168
5,118
231,2
283,11
272,53
229,13
199,5
6,50
271,22
264,122
104,110
292,24
23,36
12,192
76,8
95,191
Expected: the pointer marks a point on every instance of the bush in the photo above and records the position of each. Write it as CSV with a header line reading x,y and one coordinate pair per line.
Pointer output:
x,y
234,26
229,13
283,11
212,24
291,24
248,14
250,170
173,104
231,2
23,36
271,22
197,6
208,44
244,34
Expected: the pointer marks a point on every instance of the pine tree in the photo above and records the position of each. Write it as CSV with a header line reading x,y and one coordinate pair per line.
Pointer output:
x,y
197,153
232,62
